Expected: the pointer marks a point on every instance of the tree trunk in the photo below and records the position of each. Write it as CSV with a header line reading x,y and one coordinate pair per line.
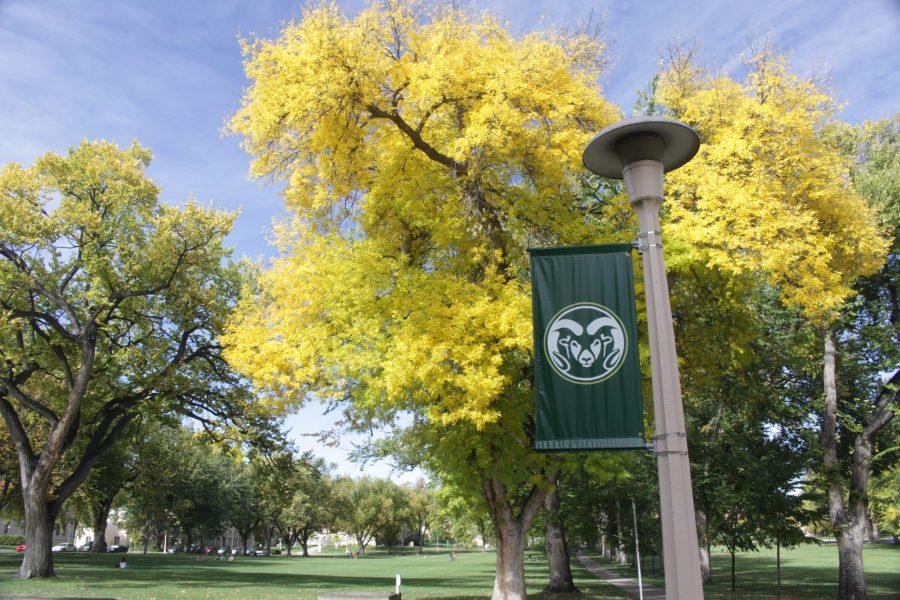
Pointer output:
x,y
702,533
557,552
100,514
40,517
71,538
778,567
304,542
851,578
362,546
848,519
511,527
620,546
733,580
509,583
146,537
871,529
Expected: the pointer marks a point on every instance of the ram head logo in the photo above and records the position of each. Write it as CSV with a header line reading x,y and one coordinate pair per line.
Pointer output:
x,y
585,343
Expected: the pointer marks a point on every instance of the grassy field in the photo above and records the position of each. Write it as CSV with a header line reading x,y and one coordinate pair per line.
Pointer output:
x,y
158,576
807,572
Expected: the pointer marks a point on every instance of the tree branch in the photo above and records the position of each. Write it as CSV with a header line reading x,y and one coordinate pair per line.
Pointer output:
x,y
417,141
17,433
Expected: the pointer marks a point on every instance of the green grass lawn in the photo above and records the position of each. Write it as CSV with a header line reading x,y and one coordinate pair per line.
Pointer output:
x,y
471,575
809,571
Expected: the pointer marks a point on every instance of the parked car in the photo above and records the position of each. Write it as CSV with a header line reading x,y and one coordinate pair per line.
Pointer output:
x,y
117,548
222,551
63,548
249,552
261,552
176,549
86,547
20,548
237,551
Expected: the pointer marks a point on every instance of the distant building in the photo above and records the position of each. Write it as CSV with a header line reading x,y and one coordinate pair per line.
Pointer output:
x,y
69,531
62,533
115,531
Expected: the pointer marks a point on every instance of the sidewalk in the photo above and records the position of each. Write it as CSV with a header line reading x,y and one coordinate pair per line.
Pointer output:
x,y
626,584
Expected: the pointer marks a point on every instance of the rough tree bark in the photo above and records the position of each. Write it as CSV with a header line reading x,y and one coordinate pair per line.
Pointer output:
x,y
621,557
778,568
702,535
304,542
288,537
268,532
145,538
604,539
733,575
362,542
511,529
40,517
557,552
848,516
100,516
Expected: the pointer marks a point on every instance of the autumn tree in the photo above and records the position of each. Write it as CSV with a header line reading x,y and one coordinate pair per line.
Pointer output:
x,y
423,150
768,201
862,357
110,304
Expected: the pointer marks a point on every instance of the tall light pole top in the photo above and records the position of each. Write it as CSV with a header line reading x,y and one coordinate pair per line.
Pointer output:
x,y
668,141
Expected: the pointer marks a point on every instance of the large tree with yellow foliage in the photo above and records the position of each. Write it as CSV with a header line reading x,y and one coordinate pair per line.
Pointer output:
x,y
768,201
424,150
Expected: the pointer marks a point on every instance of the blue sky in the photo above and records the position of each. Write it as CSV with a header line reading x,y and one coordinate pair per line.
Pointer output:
x,y
169,73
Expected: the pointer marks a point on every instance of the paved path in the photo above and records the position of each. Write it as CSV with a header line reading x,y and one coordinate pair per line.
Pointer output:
x,y
626,584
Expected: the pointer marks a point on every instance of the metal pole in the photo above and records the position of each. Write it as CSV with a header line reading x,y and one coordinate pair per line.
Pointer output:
x,y
637,551
680,551
640,150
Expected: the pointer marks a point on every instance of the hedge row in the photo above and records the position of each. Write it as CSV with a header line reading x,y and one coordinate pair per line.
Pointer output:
x,y
11,540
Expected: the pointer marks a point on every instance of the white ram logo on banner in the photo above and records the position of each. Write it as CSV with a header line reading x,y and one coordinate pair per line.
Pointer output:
x,y
585,343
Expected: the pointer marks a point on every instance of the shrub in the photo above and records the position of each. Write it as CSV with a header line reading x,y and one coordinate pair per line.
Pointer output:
x,y
11,540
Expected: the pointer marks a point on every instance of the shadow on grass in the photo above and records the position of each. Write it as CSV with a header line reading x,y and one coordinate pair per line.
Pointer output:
x,y
468,578
808,572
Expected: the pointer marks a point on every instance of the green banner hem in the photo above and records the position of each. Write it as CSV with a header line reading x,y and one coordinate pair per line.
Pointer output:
x,y
623,443
587,249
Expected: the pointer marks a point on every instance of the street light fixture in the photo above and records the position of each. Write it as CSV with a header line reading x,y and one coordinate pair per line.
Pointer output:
x,y
640,151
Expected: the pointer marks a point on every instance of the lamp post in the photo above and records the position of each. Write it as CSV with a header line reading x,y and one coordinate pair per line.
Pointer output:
x,y
640,151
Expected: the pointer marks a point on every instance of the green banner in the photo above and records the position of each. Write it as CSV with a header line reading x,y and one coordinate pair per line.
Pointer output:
x,y
587,371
